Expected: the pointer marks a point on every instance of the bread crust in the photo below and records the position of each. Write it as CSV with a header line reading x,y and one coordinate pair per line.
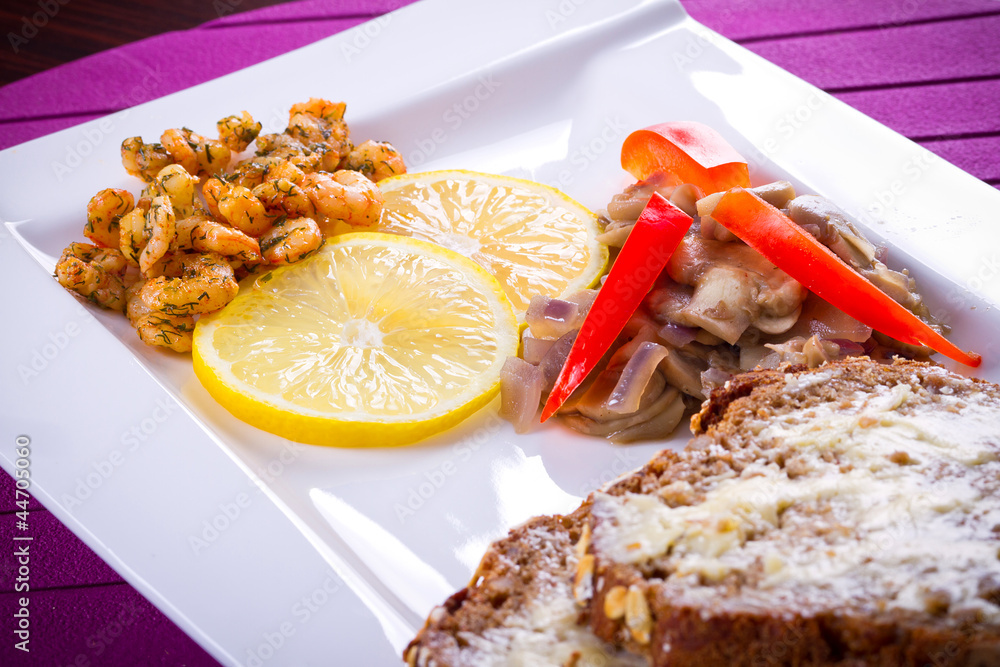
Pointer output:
x,y
503,583
527,576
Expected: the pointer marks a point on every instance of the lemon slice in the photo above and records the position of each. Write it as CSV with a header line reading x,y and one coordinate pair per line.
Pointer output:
x,y
376,340
531,237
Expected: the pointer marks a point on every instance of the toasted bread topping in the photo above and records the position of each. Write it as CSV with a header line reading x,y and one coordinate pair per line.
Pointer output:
x,y
889,495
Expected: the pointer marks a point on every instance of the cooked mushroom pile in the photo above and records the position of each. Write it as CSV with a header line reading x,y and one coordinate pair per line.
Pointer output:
x,y
719,308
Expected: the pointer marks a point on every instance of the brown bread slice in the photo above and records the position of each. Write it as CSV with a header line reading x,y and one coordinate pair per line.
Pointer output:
x,y
520,608
846,515
536,591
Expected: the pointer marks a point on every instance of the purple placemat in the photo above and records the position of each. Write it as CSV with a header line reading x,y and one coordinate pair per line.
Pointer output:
x,y
750,20
38,105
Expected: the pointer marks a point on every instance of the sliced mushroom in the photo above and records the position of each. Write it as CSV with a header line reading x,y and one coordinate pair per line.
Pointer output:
x,y
615,235
777,325
812,352
722,303
667,299
777,194
628,204
707,204
684,372
836,231
820,318
780,306
899,286
710,229
685,197
734,288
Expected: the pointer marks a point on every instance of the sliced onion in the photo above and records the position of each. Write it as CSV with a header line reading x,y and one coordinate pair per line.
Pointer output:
x,y
621,356
584,299
552,318
677,335
849,348
553,361
533,349
659,426
772,360
869,345
635,378
714,378
593,403
520,393
751,356
588,426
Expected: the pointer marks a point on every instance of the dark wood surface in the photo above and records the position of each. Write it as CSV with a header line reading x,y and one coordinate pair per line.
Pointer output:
x,y
40,34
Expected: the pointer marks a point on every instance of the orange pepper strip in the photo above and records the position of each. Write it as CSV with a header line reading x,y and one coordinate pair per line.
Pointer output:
x,y
796,252
693,152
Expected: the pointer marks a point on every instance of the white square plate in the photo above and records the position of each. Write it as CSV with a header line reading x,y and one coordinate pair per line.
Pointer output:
x,y
270,552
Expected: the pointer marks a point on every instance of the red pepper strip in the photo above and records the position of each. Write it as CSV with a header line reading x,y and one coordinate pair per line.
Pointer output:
x,y
692,151
649,246
796,252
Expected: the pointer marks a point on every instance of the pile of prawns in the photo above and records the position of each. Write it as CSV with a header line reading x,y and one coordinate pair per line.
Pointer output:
x,y
207,218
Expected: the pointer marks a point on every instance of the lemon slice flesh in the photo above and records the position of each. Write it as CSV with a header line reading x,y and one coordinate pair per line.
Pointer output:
x,y
533,238
377,340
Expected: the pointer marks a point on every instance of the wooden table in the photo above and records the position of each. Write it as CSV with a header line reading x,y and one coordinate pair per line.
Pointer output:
x,y
930,69
42,35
